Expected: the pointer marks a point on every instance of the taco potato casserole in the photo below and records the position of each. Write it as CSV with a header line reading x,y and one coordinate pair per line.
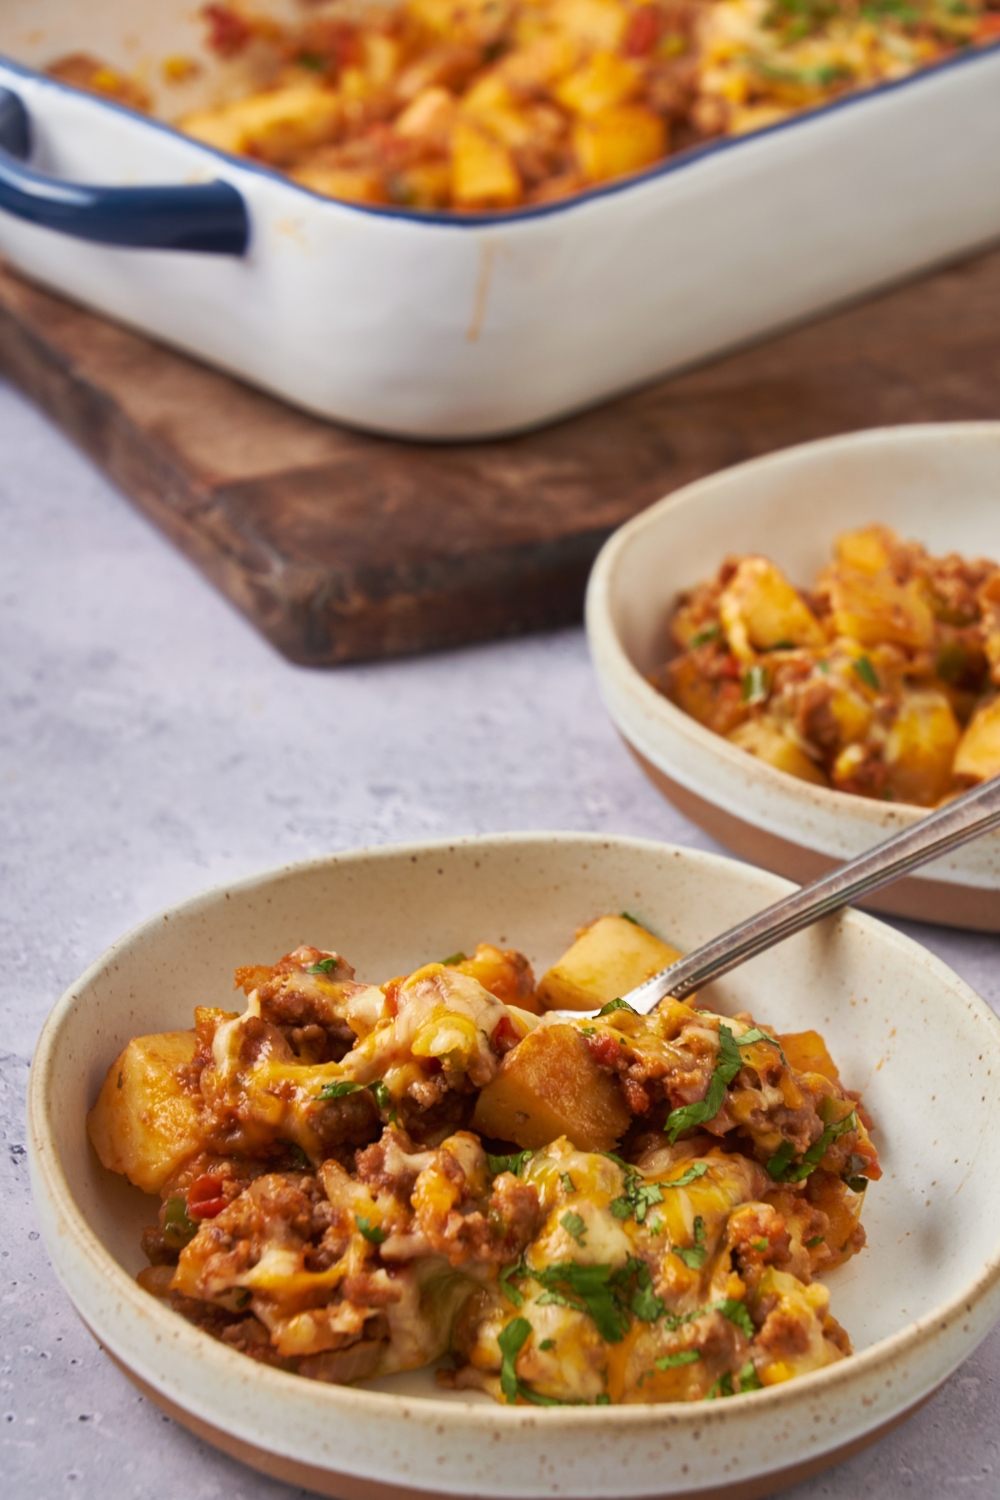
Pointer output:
x,y
476,105
357,1179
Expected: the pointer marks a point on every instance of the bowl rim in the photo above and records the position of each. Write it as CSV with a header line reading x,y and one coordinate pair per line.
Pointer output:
x,y
609,653
445,219
48,1178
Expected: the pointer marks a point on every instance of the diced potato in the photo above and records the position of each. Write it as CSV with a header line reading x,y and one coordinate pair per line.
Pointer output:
x,y
609,958
921,748
483,174
598,23
759,609
769,743
382,57
866,551
275,126
430,117
623,139
351,184
605,80
874,608
715,702
539,63
550,1085
807,1053
978,755
851,710
144,1123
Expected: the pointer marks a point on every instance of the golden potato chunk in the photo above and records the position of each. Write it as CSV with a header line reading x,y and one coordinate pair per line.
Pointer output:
x,y
623,138
771,744
274,126
921,747
483,174
609,958
145,1124
548,1086
760,609
874,608
978,755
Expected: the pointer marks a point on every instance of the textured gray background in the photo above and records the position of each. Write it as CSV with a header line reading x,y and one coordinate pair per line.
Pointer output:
x,y
150,745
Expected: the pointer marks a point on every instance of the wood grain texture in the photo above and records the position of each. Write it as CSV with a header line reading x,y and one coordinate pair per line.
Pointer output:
x,y
340,546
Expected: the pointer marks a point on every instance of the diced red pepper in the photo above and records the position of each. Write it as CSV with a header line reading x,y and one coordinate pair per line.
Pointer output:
x,y
642,32
505,1035
205,1197
988,27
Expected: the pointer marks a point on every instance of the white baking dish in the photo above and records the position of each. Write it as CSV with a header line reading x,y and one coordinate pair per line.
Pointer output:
x,y
444,327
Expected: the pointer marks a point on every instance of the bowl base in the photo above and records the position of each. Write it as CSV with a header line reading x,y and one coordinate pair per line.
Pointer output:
x,y
938,901
339,1486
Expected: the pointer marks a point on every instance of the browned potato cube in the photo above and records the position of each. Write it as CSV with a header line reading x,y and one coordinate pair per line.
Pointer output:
x,y
550,1085
609,958
145,1123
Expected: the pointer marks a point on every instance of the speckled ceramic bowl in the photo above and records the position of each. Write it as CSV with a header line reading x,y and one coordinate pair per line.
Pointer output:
x,y
937,483
905,1029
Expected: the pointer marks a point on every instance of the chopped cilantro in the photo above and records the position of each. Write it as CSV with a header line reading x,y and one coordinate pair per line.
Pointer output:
x,y
780,1167
736,1313
761,1245
511,1292
243,1299
817,1239
372,1233
722,1387
588,1030
726,1069
569,1185
628,917
590,1290
756,1035
512,1340
324,966
574,1226
694,1256
748,1378
638,1197
702,638
512,1163
381,1094
453,959
867,673
856,1184
546,1345
603,1400
656,1227
613,1005
338,1090
682,1357
695,1170
779,1161
755,686
823,667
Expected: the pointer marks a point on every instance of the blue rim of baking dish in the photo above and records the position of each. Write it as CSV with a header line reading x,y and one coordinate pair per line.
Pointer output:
x,y
453,220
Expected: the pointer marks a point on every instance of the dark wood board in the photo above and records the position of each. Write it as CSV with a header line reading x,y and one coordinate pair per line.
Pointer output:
x,y
341,547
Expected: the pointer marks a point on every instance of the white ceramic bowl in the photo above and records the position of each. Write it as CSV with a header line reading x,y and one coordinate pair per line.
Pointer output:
x,y
904,1028
444,325
937,483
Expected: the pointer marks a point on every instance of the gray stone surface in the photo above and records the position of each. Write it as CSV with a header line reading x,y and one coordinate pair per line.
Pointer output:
x,y
151,744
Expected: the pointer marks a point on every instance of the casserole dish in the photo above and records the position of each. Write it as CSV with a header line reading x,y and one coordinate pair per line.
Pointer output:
x,y
936,484
437,326
904,1028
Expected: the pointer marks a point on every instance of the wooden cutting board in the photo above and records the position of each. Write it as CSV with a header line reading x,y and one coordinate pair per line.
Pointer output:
x,y
341,547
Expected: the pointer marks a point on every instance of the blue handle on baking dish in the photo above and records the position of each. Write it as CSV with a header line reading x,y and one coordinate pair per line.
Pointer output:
x,y
207,216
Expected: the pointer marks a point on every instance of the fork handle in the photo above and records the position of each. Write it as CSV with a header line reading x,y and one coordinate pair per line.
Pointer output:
x,y
974,813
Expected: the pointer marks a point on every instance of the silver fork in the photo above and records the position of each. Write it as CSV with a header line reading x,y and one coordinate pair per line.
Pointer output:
x,y
974,813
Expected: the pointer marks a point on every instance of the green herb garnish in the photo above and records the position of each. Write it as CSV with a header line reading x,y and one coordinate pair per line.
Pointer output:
x,y
682,1357
574,1226
628,917
702,638
780,1166
372,1233
726,1069
755,686
510,1291
760,1245
613,1005
513,1164
867,673
381,1094
512,1340
569,1186
817,1239
324,966
338,1090
546,1345
178,1229
694,1256
856,1184
452,959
